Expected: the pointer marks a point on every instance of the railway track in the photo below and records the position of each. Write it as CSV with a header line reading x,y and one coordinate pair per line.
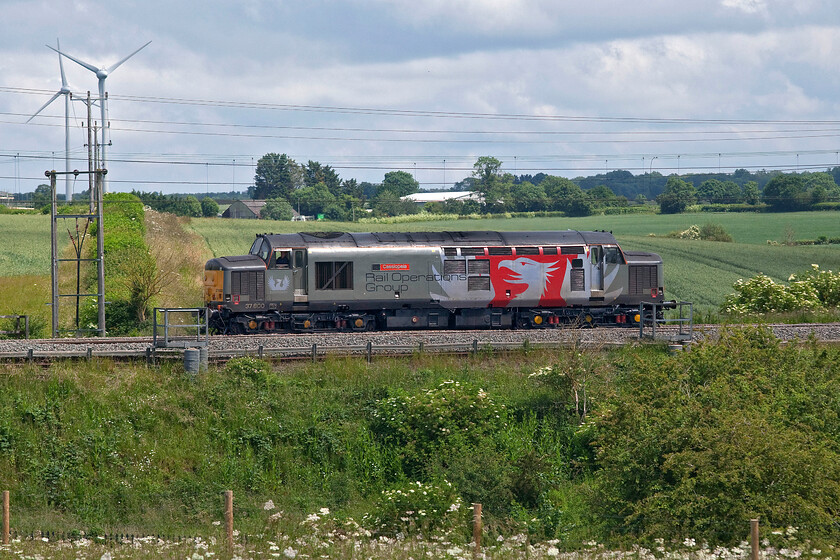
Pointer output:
x,y
316,345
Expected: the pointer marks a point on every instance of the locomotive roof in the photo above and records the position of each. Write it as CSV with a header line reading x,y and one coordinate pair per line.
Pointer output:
x,y
441,238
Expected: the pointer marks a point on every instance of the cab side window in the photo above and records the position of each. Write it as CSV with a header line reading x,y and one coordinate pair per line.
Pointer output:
x,y
612,255
596,253
282,259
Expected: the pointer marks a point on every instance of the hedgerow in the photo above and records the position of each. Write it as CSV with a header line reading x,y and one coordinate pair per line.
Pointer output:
x,y
694,445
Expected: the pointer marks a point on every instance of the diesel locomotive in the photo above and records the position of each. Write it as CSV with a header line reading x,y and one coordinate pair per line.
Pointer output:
x,y
430,280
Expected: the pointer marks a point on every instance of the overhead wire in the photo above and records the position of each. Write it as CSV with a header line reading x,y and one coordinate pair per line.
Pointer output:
x,y
806,129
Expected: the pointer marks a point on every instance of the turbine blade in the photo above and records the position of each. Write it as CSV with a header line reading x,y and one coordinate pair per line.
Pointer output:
x,y
118,64
90,67
44,106
61,65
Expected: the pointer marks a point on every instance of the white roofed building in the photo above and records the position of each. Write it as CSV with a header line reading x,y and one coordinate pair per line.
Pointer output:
x,y
442,196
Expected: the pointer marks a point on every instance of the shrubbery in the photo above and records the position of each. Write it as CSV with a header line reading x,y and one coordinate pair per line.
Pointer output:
x,y
706,232
813,289
695,445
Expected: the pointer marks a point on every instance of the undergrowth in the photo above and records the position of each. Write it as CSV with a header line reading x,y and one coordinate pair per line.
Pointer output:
x,y
567,446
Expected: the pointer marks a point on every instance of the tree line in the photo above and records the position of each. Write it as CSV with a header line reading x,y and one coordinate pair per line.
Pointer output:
x,y
289,187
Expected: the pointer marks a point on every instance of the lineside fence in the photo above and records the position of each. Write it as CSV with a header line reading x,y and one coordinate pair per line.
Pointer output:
x,y
314,352
233,537
17,331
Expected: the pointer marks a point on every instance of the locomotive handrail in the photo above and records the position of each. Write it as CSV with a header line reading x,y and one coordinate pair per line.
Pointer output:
x,y
652,314
167,340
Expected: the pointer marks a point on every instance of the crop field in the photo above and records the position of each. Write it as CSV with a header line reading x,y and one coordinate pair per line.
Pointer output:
x,y
699,271
25,242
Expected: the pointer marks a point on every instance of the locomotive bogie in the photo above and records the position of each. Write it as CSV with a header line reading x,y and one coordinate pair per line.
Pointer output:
x,y
365,281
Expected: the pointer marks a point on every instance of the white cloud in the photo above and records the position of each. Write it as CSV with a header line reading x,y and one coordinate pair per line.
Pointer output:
x,y
746,6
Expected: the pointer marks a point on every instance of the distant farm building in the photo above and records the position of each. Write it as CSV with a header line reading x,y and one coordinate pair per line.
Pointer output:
x,y
252,210
244,209
441,196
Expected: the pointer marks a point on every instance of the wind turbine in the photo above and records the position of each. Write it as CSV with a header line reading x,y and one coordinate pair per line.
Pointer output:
x,y
65,91
101,75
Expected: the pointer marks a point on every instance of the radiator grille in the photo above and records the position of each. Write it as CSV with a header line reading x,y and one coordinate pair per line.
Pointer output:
x,y
452,266
577,282
478,283
642,279
479,266
248,283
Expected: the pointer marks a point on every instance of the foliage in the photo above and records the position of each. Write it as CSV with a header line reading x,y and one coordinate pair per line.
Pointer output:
x,y
706,232
812,289
421,424
678,196
787,193
311,200
400,183
696,444
388,203
824,282
209,207
177,204
491,185
277,176
247,367
277,209
417,507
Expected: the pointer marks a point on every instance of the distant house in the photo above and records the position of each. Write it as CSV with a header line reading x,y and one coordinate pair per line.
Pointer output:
x,y
252,210
244,209
441,196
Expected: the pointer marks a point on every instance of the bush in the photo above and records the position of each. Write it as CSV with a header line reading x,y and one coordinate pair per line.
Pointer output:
x,y
760,294
707,232
714,232
209,207
694,445
813,289
421,424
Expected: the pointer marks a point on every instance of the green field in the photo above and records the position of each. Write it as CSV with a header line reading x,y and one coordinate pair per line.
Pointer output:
x,y
25,242
698,271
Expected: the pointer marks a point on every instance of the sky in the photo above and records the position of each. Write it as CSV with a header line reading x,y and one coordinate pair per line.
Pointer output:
x,y
560,87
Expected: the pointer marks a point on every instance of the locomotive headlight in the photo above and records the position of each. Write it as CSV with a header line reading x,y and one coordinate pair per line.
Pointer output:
x,y
637,318
538,320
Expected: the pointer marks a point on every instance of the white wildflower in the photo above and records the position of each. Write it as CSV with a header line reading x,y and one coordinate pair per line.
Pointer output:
x,y
552,551
290,552
269,505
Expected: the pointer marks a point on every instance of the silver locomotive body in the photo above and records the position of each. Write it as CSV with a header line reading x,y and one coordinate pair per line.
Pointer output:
x,y
377,281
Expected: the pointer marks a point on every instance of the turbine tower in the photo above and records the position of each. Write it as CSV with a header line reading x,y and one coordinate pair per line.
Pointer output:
x,y
101,75
65,91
